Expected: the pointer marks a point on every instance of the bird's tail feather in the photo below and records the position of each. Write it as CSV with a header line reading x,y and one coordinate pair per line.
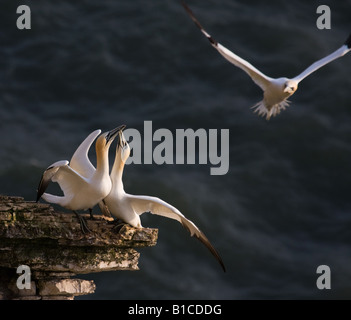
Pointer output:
x,y
261,109
52,198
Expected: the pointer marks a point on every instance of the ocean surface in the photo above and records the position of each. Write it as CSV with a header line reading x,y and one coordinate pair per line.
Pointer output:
x,y
284,206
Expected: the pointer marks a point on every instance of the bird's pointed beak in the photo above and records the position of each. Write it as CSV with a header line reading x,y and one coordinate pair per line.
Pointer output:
x,y
289,89
113,133
121,138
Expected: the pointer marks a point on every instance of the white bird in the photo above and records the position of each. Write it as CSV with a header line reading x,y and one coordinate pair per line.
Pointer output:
x,y
82,187
129,207
276,91
80,162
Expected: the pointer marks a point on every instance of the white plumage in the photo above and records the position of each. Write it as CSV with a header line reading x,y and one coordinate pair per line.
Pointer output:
x,y
276,91
129,207
82,185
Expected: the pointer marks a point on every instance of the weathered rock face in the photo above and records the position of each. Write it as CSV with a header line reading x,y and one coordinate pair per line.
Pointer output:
x,y
65,287
55,249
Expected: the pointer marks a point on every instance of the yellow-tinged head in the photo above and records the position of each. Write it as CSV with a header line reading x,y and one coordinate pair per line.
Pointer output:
x,y
290,86
105,139
123,147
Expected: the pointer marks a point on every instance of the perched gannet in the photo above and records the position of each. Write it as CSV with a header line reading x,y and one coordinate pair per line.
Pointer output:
x,y
129,207
276,91
81,192
80,162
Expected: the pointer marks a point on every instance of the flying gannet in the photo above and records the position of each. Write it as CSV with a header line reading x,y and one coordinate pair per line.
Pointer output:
x,y
129,207
81,192
276,91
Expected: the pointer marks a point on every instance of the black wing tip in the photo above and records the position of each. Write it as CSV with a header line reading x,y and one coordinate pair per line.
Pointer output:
x,y
192,16
202,238
213,41
348,41
41,187
40,192
220,261
197,23
222,265
186,6
214,252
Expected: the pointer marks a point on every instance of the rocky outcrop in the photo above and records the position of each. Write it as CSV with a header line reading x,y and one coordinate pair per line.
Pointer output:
x,y
54,249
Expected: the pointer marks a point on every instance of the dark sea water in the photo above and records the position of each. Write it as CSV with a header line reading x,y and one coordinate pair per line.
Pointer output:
x,y
283,208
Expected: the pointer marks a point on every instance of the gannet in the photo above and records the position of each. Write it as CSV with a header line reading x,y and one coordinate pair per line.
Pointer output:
x,y
80,162
80,192
276,91
128,208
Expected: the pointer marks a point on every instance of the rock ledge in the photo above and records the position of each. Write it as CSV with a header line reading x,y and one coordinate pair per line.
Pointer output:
x,y
52,245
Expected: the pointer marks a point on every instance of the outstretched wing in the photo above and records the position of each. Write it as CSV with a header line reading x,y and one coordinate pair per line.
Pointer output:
x,y
320,63
141,204
68,179
80,161
47,176
257,76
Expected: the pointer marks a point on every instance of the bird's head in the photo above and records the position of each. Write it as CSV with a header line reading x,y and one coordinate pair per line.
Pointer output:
x,y
290,86
105,140
122,146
